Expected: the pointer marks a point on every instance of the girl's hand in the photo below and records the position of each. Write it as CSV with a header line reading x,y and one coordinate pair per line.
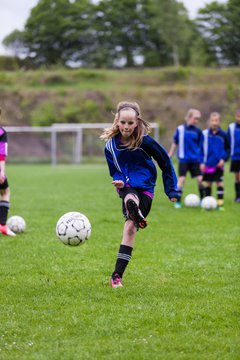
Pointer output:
x,y
118,184
173,199
221,163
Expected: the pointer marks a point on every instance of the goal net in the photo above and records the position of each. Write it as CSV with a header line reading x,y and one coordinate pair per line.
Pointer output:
x,y
59,143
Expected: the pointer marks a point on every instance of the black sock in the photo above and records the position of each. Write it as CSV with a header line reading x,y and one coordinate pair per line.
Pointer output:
x,y
208,191
237,189
123,258
4,208
201,189
180,191
220,195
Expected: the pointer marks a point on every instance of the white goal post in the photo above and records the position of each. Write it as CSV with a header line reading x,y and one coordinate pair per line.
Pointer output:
x,y
76,129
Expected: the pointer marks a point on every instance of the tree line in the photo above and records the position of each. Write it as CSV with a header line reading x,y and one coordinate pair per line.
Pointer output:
x,y
112,33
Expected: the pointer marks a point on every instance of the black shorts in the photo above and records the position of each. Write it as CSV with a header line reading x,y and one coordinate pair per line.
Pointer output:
x,y
192,167
145,202
216,176
4,185
235,166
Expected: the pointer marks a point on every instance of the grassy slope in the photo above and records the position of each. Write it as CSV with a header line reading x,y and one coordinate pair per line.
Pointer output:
x,y
181,291
90,95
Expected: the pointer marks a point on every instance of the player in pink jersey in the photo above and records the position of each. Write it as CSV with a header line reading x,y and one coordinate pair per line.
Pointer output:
x,y
4,187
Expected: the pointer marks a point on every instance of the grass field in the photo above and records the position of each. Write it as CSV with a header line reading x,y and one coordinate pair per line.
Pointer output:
x,y
181,290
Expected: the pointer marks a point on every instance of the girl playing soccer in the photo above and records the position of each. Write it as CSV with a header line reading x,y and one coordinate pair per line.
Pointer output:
x,y
130,152
187,139
214,153
234,140
4,187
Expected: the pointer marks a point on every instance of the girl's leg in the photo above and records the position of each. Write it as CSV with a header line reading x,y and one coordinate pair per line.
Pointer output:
x,y
4,205
220,194
237,186
180,184
201,187
125,250
4,208
208,189
129,233
124,253
140,201
131,202
237,176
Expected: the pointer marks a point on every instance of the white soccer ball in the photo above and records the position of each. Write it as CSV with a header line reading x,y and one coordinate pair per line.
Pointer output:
x,y
209,203
16,223
192,200
73,228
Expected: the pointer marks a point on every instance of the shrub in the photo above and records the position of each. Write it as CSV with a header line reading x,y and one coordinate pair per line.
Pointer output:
x,y
44,115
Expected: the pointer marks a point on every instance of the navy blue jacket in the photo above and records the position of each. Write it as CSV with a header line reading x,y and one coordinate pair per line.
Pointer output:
x,y
215,147
234,140
188,139
136,167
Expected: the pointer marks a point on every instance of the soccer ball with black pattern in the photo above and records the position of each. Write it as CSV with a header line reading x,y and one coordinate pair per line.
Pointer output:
x,y
73,228
16,223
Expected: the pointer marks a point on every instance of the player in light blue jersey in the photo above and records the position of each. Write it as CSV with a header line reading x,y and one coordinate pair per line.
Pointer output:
x,y
187,139
214,154
234,140
130,152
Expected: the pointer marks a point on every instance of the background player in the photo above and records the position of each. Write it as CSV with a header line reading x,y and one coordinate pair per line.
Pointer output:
x,y
234,139
214,153
4,187
188,138
129,152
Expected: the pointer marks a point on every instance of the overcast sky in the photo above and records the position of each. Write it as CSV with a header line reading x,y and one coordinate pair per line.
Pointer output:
x,y
14,13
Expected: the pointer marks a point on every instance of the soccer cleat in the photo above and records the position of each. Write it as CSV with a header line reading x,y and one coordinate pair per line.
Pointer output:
x,y
135,214
116,281
177,205
4,229
237,200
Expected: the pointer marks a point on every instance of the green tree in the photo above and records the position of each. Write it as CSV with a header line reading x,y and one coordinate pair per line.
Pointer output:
x,y
121,26
16,42
106,33
220,26
169,20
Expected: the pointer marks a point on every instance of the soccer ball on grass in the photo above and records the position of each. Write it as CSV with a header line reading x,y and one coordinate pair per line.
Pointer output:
x,y
73,228
209,203
192,200
16,223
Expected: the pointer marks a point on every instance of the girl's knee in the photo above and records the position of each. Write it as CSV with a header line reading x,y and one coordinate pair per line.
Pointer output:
x,y
5,193
133,197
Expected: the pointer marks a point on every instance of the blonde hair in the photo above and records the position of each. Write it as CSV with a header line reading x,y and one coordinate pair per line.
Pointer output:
x,y
143,126
214,114
190,113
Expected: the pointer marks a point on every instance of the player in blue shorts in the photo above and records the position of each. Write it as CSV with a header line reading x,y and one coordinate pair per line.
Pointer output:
x,y
234,140
130,152
187,139
4,187
214,153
